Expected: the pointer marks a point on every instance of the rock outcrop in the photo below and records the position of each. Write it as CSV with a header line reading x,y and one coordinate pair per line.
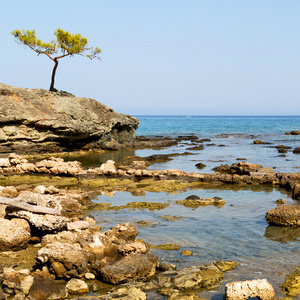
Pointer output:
x,y
284,215
36,120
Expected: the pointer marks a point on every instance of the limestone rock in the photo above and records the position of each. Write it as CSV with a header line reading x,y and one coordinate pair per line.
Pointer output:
x,y
284,215
14,234
39,120
77,286
125,231
71,256
19,281
249,289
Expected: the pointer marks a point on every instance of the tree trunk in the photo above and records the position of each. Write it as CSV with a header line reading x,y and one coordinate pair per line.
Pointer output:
x,y
26,206
53,75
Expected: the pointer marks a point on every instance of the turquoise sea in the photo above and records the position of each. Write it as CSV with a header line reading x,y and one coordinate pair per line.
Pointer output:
x,y
237,231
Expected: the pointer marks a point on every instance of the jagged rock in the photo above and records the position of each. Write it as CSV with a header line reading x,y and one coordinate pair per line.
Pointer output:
x,y
284,215
130,268
72,260
14,234
125,231
38,221
241,168
243,290
39,120
108,167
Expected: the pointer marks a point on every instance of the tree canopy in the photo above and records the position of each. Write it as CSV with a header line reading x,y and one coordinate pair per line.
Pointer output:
x,y
69,45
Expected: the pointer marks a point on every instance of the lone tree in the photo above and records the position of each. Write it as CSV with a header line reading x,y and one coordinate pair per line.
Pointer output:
x,y
69,44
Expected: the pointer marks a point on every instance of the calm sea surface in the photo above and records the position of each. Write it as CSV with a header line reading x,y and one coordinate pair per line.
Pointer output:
x,y
237,231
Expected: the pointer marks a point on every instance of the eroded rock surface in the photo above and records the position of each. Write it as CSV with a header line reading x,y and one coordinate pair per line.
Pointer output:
x,y
40,120
284,215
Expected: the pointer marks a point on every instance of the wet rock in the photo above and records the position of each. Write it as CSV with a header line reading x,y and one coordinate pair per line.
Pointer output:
x,y
191,278
241,168
43,288
296,191
200,166
195,201
130,268
241,290
77,286
291,286
258,142
18,281
280,201
296,150
186,253
284,215
14,234
166,247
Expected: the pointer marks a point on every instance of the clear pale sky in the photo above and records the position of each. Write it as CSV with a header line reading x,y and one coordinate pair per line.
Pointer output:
x,y
165,57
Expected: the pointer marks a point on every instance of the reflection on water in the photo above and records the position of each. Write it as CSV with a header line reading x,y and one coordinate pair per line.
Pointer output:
x,y
238,231
96,159
282,234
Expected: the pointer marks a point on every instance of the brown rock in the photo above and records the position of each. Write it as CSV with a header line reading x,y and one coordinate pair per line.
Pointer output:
x,y
284,215
296,150
130,268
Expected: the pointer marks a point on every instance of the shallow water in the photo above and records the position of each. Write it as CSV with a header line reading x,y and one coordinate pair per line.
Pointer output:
x,y
237,231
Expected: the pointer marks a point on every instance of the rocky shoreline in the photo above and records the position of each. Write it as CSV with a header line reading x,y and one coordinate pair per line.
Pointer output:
x,y
66,256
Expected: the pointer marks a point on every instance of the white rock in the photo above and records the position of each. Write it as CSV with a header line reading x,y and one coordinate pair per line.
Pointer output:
x,y
241,290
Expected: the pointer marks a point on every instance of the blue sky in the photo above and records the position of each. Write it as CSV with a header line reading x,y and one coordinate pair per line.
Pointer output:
x,y
190,57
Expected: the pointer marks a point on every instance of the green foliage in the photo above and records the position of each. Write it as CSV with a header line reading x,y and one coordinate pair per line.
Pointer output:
x,y
69,44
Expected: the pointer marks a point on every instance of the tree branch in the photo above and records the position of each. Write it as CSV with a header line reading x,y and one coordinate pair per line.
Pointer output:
x,y
32,208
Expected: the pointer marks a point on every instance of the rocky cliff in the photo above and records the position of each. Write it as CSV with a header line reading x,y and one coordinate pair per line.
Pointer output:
x,y
36,120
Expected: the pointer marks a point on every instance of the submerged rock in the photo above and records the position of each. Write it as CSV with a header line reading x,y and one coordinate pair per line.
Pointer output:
x,y
291,286
40,120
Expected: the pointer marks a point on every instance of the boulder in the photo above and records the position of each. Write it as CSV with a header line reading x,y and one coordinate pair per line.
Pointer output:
x,y
284,215
131,268
242,290
38,120
64,259
14,234
296,150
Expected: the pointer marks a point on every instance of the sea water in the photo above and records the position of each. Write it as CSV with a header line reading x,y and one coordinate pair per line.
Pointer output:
x,y
236,231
